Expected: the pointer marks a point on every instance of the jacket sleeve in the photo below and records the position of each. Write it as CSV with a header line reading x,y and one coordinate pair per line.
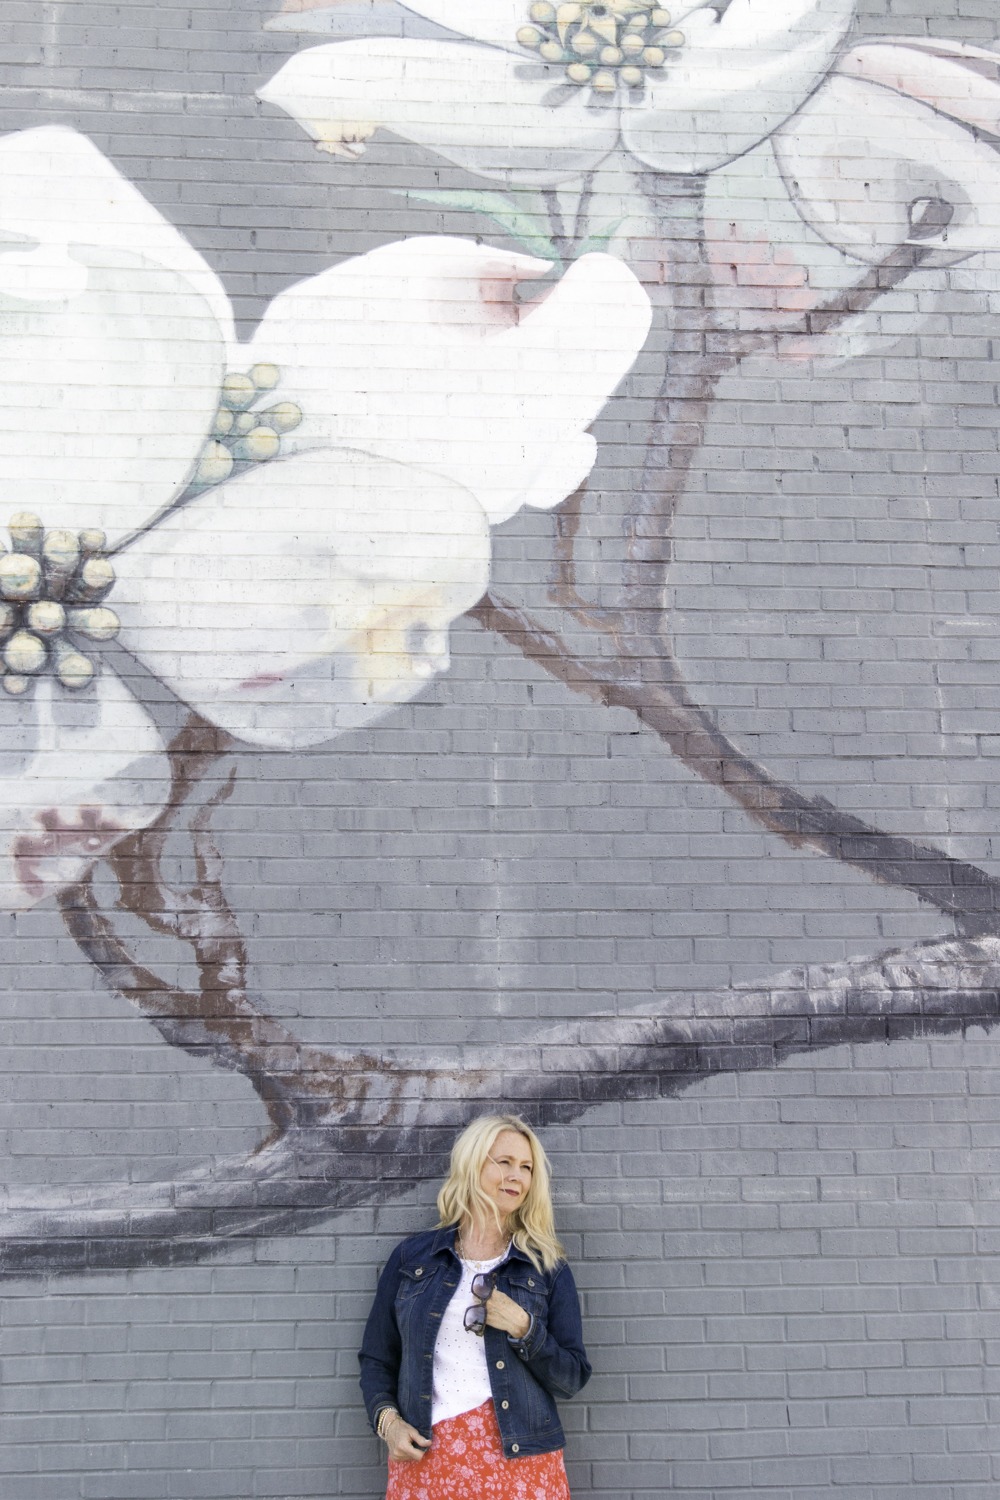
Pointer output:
x,y
381,1346
553,1348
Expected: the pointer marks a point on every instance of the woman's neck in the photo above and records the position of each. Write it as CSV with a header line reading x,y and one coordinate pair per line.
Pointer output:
x,y
483,1241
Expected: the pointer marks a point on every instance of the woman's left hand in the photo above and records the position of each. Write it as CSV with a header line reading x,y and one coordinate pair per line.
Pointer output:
x,y
503,1312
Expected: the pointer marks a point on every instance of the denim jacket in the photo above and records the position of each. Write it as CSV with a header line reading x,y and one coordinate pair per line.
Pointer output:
x,y
397,1351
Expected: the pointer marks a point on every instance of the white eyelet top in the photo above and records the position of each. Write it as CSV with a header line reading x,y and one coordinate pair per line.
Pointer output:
x,y
461,1377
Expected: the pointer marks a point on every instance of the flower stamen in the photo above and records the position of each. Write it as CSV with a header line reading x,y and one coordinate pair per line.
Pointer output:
x,y
603,44
51,583
243,433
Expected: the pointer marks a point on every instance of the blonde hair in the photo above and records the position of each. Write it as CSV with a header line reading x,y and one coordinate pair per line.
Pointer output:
x,y
461,1197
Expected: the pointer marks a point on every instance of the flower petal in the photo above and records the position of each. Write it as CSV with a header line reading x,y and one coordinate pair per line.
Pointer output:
x,y
419,352
51,177
735,81
954,79
482,109
111,348
307,596
494,21
76,774
872,170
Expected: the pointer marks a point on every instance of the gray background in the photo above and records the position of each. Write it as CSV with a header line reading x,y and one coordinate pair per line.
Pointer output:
x,y
789,1276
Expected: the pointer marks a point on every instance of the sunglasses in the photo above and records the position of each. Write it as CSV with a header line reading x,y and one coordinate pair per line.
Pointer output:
x,y
483,1287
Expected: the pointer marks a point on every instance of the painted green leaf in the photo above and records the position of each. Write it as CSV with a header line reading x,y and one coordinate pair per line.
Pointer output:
x,y
599,240
527,228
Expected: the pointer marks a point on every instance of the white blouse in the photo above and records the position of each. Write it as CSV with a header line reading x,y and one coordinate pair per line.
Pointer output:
x,y
461,1377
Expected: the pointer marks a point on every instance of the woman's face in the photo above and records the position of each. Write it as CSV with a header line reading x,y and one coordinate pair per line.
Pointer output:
x,y
506,1174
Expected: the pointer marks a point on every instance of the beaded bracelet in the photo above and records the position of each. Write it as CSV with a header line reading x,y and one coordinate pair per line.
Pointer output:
x,y
386,1415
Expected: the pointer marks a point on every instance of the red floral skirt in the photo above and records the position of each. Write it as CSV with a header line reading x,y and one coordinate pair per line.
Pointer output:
x,y
466,1462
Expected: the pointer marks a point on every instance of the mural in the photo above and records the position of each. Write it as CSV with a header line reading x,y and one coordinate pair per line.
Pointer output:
x,y
268,544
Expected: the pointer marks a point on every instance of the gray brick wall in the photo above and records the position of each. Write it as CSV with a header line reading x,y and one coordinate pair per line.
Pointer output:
x,y
776,1155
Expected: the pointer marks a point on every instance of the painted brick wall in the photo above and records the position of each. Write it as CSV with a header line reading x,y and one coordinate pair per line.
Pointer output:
x,y
695,866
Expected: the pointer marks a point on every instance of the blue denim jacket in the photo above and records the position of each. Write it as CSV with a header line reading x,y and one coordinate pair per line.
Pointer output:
x,y
397,1351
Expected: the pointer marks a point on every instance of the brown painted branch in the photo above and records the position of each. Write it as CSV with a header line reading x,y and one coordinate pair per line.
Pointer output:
x,y
885,277
961,890
396,1130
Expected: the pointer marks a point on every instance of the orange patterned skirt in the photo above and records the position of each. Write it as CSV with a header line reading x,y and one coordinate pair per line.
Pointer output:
x,y
466,1462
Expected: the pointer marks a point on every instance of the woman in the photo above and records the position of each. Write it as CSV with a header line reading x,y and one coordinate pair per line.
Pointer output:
x,y
474,1331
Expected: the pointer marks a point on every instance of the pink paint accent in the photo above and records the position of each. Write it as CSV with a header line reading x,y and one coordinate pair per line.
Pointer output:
x,y
85,836
260,680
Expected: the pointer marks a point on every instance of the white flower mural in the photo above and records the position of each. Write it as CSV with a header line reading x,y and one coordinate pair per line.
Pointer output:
x,y
877,146
282,532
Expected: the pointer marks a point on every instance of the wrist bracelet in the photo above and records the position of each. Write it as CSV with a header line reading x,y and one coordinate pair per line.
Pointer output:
x,y
387,1415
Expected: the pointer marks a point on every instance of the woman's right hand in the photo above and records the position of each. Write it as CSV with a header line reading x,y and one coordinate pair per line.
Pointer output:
x,y
404,1442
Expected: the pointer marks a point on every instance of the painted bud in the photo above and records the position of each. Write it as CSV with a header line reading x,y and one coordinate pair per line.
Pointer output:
x,y
14,684
100,624
632,77
543,12
20,576
26,532
578,73
92,540
604,82
265,376
284,417
260,444
611,56
92,582
551,51
60,555
215,464
73,669
238,391
46,617
529,37
25,654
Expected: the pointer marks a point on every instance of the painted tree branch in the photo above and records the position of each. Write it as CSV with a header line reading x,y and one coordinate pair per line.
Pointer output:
x,y
403,1110
961,890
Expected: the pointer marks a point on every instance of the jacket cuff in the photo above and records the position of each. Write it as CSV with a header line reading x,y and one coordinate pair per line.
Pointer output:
x,y
524,1344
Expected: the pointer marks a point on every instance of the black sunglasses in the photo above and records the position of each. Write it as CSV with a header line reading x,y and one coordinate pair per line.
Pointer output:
x,y
483,1287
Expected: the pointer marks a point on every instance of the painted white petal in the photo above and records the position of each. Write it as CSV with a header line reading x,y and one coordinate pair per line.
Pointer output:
x,y
734,82
420,352
110,360
495,21
483,109
306,597
57,188
954,79
77,772
870,169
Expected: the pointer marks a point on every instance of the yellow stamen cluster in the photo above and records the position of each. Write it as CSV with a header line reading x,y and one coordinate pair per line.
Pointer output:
x,y
52,584
602,43
242,432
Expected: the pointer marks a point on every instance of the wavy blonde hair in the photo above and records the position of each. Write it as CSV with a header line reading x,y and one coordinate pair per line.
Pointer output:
x,y
534,1230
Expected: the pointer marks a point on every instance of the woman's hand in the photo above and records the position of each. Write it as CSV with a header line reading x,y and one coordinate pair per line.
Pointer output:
x,y
404,1442
503,1312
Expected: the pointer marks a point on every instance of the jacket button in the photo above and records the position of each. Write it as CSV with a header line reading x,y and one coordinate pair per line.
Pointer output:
x,y
530,1282
419,1271
499,1364
504,1404
515,1447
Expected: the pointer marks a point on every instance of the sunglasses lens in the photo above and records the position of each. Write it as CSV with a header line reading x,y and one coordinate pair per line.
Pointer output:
x,y
475,1319
482,1285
